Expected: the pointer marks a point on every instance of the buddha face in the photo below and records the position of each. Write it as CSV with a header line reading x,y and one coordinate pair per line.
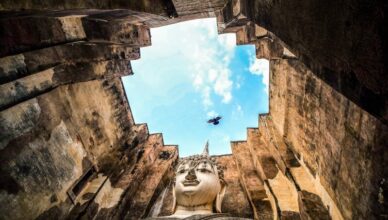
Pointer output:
x,y
196,184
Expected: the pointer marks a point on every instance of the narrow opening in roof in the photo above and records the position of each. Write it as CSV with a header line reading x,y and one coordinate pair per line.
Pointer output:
x,y
191,75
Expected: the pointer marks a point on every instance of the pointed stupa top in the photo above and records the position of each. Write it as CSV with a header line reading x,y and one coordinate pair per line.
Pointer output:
x,y
206,149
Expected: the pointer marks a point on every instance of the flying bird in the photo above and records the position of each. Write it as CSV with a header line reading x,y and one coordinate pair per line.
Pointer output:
x,y
215,121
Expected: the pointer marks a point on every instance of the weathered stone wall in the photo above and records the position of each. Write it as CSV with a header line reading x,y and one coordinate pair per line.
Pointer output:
x,y
235,200
342,42
341,144
252,184
319,128
131,194
158,7
50,141
69,147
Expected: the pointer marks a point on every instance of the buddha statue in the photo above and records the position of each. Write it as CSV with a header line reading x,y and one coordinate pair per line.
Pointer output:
x,y
199,186
198,189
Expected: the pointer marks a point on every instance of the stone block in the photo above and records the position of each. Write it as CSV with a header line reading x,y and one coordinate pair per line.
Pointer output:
x,y
311,207
163,8
246,34
195,7
27,33
20,65
33,85
235,200
286,196
268,47
119,32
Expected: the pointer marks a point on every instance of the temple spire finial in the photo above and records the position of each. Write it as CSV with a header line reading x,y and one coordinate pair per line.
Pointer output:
x,y
206,149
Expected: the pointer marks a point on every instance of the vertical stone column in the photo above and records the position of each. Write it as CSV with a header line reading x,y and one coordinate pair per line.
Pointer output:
x,y
251,181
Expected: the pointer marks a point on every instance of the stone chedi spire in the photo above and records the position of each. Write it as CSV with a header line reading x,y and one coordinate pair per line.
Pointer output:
x,y
205,151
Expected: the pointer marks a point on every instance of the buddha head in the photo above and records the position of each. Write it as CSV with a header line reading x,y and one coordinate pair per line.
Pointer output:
x,y
199,185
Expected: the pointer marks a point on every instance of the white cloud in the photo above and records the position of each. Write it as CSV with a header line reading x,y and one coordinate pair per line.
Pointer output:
x,y
198,81
212,74
260,67
212,114
205,54
209,58
223,85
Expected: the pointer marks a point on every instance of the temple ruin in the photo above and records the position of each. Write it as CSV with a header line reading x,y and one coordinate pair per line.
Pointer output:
x,y
69,147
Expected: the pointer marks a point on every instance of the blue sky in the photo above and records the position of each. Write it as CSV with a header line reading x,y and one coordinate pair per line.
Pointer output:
x,y
190,74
